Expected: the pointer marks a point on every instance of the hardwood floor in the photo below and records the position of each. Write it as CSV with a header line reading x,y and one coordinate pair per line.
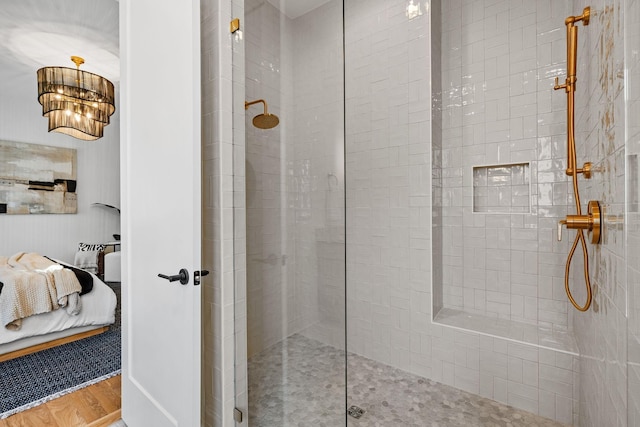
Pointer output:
x,y
95,406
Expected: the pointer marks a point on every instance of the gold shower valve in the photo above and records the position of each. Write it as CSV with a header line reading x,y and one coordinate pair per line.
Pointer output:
x,y
590,222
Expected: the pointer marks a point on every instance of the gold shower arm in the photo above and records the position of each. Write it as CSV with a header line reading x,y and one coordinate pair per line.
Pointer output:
x,y
257,101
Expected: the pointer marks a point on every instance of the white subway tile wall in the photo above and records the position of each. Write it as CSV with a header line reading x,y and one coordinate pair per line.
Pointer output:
x,y
389,181
388,184
498,61
502,274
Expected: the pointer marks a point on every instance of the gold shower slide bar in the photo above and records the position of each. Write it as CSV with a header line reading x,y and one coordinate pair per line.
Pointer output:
x,y
570,87
591,221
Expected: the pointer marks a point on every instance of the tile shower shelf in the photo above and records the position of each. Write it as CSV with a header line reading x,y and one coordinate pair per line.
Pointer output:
x,y
524,333
504,188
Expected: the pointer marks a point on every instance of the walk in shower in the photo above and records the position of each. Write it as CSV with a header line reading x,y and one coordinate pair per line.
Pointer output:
x,y
396,201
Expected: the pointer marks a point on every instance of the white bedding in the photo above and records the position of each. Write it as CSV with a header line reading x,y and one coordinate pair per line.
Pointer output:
x,y
98,309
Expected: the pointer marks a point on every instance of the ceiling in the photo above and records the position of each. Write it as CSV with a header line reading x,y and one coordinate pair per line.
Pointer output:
x,y
37,33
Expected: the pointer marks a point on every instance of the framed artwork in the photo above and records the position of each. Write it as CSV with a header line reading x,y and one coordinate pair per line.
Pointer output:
x,y
37,179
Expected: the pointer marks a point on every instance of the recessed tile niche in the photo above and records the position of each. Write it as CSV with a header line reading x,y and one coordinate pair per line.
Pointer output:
x,y
502,188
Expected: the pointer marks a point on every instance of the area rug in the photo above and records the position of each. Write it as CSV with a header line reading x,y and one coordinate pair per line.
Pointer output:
x,y
37,378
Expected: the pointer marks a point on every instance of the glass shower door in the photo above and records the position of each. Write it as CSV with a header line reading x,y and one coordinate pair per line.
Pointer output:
x,y
289,214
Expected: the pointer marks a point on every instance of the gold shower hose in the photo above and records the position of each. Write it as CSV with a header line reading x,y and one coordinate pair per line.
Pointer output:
x,y
569,86
579,237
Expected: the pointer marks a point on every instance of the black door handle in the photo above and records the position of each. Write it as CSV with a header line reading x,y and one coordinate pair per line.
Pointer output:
x,y
183,276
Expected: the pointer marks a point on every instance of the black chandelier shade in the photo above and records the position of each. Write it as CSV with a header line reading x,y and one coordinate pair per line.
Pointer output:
x,y
76,102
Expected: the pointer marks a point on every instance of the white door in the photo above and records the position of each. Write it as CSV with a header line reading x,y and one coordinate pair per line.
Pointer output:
x,y
160,176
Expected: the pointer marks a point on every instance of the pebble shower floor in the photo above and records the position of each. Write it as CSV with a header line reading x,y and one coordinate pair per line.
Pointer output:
x,y
300,382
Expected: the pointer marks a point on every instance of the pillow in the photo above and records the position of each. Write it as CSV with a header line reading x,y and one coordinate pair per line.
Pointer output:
x,y
87,260
84,247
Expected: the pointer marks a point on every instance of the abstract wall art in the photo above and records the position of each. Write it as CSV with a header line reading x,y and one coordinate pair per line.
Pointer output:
x,y
37,179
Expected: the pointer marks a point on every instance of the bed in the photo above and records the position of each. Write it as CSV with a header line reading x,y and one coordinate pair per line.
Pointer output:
x,y
57,327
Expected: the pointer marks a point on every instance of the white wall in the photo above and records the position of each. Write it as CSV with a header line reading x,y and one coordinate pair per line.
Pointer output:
x,y
388,183
98,181
498,108
601,332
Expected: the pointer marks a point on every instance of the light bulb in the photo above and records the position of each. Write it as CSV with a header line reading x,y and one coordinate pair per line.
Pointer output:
x,y
88,115
68,112
77,117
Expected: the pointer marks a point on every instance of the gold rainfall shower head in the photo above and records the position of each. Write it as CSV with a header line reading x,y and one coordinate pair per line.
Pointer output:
x,y
265,120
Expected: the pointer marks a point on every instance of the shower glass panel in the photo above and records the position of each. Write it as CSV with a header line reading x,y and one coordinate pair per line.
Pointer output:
x,y
632,226
289,215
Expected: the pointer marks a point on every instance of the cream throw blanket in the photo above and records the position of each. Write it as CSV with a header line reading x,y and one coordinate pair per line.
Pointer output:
x,y
34,284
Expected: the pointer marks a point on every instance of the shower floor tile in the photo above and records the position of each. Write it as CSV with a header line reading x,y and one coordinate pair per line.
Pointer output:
x,y
305,388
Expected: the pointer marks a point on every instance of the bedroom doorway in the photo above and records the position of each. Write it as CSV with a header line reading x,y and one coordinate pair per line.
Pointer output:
x,y
21,121
151,227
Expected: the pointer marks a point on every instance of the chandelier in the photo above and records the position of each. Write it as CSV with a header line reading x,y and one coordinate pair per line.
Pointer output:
x,y
76,102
